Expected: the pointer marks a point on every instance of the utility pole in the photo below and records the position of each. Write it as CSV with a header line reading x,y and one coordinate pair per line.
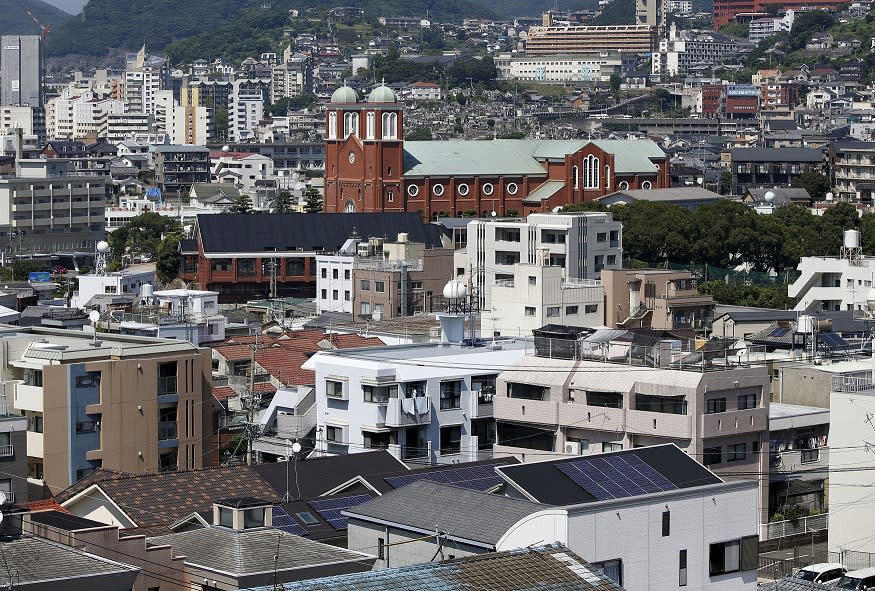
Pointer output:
x,y
252,402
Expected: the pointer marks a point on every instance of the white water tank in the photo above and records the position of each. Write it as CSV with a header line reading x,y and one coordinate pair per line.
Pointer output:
x,y
852,239
455,290
402,237
805,324
146,290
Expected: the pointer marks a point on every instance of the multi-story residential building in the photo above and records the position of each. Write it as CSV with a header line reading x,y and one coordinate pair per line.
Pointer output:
x,y
833,283
44,207
245,110
13,452
22,68
184,125
654,298
145,76
582,244
178,167
798,456
593,67
650,12
768,167
852,168
126,281
761,28
75,115
428,402
131,404
682,50
576,39
425,91
293,77
576,406
286,156
187,314
127,127
241,169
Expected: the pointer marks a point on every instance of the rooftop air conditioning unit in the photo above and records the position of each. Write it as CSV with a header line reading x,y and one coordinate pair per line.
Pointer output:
x,y
572,447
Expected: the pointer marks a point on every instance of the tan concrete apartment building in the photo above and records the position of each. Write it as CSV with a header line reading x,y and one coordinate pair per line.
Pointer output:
x,y
133,404
578,39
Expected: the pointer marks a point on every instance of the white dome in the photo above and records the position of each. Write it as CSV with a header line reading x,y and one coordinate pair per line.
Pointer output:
x,y
103,246
769,196
455,290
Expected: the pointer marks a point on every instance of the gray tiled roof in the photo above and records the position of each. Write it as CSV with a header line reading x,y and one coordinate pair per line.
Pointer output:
x,y
544,568
36,560
252,551
476,516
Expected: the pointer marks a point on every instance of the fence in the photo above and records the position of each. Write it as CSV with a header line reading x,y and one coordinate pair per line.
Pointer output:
x,y
711,273
777,568
852,559
793,527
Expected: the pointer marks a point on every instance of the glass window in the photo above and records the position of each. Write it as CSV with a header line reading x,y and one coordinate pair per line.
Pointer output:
x,y
379,286
724,558
253,517
736,452
682,568
451,439
570,310
746,401
712,455
666,523
451,394
530,311
715,405
226,517
334,434
334,389
552,311
365,285
379,394
527,391
376,440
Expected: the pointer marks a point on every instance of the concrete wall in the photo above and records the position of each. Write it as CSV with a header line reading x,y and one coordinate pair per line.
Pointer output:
x,y
363,536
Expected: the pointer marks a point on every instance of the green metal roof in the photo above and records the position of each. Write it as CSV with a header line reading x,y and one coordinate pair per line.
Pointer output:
x,y
518,157
544,192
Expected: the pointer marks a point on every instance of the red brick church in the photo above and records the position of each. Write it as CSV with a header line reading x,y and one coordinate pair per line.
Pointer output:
x,y
370,168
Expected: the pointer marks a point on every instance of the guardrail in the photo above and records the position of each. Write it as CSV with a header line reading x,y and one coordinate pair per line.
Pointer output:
x,y
792,527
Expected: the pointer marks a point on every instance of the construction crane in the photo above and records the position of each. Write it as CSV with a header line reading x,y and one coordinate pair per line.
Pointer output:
x,y
44,29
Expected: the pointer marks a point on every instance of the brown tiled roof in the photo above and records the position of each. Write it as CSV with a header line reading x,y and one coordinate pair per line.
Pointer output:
x,y
45,505
160,499
223,393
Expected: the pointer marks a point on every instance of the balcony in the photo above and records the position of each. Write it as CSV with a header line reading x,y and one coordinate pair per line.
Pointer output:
x,y
7,451
585,416
799,461
735,422
523,410
408,412
28,397
166,430
35,445
167,386
477,403
659,424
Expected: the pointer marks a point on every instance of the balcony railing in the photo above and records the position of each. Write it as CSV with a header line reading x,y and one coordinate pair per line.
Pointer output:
x,y
6,451
10,496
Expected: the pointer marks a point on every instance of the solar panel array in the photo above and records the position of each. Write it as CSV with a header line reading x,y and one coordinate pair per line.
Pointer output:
x,y
282,520
615,476
480,478
831,340
330,509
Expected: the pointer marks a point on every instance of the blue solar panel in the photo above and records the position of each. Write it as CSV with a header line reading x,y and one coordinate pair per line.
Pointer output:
x,y
329,509
282,520
480,478
615,476
831,340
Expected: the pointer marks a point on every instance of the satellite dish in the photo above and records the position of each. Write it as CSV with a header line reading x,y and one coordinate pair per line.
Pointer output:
x,y
296,447
94,316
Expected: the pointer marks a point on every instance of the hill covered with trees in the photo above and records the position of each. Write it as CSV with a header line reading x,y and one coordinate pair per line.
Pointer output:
x,y
16,21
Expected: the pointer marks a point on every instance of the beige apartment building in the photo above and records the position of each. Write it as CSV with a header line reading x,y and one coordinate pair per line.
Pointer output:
x,y
654,298
133,404
577,39
548,408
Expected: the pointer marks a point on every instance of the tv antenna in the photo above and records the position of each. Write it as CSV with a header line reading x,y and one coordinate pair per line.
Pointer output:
x,y
291,457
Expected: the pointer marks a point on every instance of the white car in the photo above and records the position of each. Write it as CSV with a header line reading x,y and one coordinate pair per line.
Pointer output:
x,y
825,573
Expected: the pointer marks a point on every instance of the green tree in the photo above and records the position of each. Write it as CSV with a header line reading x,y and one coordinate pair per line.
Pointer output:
x,y
142,234
653,231
615,83
815,183
220,120
283,202
168,260
21,268
420,134
312,201
243,204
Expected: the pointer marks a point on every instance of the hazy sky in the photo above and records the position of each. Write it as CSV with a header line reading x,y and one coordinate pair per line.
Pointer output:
x,y
71,6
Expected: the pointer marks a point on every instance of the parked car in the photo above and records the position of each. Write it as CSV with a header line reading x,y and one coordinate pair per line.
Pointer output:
x,y
858,580
59,269
825,573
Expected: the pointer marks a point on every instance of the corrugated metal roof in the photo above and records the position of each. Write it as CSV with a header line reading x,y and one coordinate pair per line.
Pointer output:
x,y
544,192
471,158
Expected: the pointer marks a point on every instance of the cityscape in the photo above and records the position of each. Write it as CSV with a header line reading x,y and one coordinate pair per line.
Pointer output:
x,y
458,295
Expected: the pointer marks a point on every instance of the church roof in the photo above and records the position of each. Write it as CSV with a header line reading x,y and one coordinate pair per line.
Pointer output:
x,y
518,157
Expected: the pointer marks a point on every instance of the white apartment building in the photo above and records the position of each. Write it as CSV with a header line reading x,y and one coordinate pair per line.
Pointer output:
x,y
75,114
126,281
334,275
762,28
293,77
184,125
680,6
245,110
830,284
428,403
241,169
145,76
29,119
539,294
682,50
592,67
127,126
581,244
851,405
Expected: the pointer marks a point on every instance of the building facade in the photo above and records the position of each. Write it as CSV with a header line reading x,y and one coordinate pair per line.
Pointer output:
x,y
594,67
22,68
575,39
178,167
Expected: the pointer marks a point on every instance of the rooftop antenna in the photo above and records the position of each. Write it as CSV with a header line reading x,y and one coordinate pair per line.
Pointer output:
x,y
295,450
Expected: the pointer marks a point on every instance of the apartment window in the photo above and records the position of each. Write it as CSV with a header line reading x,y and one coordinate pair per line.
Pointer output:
x,y
365,308
451,394
527,391
379,286
166,378
590,308
324,294
601,237
666,523
613,569
335,274
86,427
379,394
451,439
746,401
334,389
381,549
33,377
530,311
366,285
334,434
736,452
533,280
712,455
715,405
682,568
733,555
376,440
334,293
675,405
346,295
611,259
88,381
346,273
608,446
552,311
324,273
